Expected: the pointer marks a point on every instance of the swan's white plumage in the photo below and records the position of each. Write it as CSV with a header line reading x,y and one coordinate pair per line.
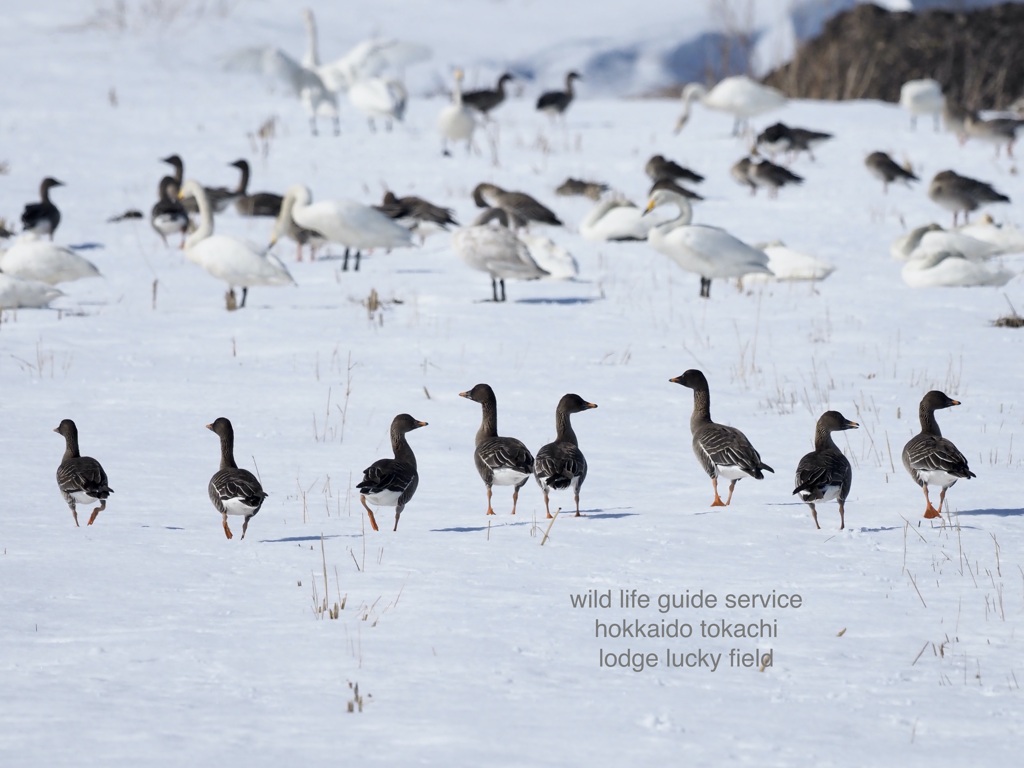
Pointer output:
x,y
949,269
932,238
377,97
1008,239
739,95
613,218
236,262
33,259
496,250
707,251
922,97
789,265
346,222
17,292
553,258
457,122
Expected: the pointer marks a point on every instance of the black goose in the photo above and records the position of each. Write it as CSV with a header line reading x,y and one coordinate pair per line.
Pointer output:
x,y
168,216
518,205
255,203
392,482
885,168
219,197
771,176
499,460
556,102
783,138
415,213
486,99
741,173
825,474
233,491
659,167
721,450
561,464
80,478
930,458
42,217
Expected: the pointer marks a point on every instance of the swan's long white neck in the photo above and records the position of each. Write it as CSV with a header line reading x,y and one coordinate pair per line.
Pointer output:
x,y
205,228
311,60
457,92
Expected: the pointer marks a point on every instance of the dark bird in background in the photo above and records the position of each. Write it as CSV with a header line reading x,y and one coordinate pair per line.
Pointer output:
x,y
43,217
885,168
519,206
958,193
792,141
486,99
556,102
659,167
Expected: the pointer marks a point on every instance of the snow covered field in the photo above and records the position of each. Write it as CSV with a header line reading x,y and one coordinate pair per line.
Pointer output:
x,y
150,639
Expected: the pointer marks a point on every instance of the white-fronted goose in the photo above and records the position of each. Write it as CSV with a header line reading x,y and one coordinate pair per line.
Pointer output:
x,y
765,173
740,172
958,193
416,214
496,250
825,474
43,217
659,167
499,460
234,261
722,451
456,122
254,203
922,97
998,131
356,226
888,170
708,251
392,482
738,95
80,478
555,103
520,206
930,458
233,491
561,464
572,187
486,99
168,216
790,140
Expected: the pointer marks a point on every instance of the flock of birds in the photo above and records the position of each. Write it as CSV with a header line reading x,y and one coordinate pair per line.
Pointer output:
x,y
723,451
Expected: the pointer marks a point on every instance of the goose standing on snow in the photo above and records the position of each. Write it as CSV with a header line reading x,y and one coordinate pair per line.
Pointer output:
x,y
930,458
169,216
561,464
659,167
233,491
499,460
234,261
789,140
740,172
738,95
520,207
572,187
958,193
723,451
885,168
709,251
33,259
555,103
42,218
998,131
416,214
496,250
80,478
392,482
487,99
922,97
765,173
254,203
456,122
345,222
825,473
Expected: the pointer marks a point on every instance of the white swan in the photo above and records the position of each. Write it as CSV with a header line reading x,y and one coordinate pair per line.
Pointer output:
x,y
709,251
922,97
234,261
950,269
457,121
615,218
932,238
377,97
553,258
787,265
738,95
33,259
348,223
17,292
1008,239
496,250
375,57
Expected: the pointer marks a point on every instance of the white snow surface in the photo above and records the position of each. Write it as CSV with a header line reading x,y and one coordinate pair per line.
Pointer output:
x,y
150,639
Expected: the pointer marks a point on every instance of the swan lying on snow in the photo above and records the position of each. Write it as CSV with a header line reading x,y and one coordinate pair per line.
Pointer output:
x,y
16,292
33,259
616,219
973,241
789,265
950,269
236,262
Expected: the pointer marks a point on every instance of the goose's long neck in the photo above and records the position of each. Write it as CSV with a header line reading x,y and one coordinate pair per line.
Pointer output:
x,y
568,87
227,451
488,423
928,423
44,193
71,447
701,409
563,428
401,447
243,181
823,439
457,92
